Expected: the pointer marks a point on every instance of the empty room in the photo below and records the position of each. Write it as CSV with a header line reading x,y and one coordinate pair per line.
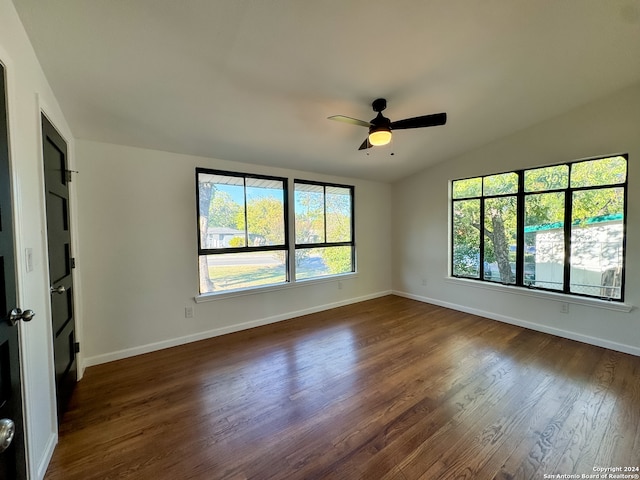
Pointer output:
x,y
320,240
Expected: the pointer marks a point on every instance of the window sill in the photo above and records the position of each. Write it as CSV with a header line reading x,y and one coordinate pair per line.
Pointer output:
x,y
210,297
543,295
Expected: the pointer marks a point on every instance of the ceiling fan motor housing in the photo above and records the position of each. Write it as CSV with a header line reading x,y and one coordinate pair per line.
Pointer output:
x,y
379,104
380,123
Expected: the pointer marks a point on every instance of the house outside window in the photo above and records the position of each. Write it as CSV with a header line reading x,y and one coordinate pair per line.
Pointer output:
x,y
559,228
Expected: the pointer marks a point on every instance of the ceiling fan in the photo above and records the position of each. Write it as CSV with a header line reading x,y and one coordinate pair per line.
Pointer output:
x,y
380,127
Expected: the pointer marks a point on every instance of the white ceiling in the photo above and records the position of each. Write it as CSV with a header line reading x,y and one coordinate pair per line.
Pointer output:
x,y
255,80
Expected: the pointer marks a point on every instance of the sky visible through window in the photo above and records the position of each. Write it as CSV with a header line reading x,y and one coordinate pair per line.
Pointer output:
x,y
236,194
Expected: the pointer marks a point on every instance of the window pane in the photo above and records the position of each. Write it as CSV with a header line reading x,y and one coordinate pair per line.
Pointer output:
x,y
338,208
500,184
320,262
323,214
471,187
309,213
231,271
590,194
605,171
265,212
466,238
221,211
544,240
547,178
597,242
500,228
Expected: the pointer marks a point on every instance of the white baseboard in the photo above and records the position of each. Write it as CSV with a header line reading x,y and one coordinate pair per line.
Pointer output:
x,y
41,468
599,342
152,347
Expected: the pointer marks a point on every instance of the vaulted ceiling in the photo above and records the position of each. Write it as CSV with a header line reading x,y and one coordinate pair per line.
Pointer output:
x,y
254,81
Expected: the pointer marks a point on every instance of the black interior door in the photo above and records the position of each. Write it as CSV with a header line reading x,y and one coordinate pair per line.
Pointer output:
x,y
12,458
56,178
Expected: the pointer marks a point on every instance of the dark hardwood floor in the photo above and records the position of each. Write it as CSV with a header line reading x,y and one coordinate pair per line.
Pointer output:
x,y
385,389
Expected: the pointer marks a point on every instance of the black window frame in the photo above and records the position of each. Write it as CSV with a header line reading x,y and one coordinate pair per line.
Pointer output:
x,y
289,246
284,247
520,219
351,243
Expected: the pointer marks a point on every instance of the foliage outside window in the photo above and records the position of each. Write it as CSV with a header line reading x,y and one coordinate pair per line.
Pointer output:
x,y
324,243
242,226
558,228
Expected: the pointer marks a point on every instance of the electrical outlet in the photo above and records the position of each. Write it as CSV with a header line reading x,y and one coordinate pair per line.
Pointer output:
x,y
564,307
188,312
339,285
424,282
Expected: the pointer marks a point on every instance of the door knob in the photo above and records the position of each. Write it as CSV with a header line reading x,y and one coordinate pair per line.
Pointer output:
x,y
7,431
17,314
59,289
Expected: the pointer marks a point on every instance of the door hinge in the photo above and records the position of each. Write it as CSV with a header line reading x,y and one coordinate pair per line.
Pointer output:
x,y
76,347
73,262
69,172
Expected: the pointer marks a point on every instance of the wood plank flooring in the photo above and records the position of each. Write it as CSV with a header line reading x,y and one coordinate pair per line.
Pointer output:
x,y
385,389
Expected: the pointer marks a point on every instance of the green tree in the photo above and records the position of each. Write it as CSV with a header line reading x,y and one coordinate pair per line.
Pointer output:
x,y
466,233
337,259
338,217
500,231
338,228
224,211
265,218
309,217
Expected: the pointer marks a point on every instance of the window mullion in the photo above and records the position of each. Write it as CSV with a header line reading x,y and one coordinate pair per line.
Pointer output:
x,y
246,214
352,221
520,213
290,232
324,211
481,259
568,205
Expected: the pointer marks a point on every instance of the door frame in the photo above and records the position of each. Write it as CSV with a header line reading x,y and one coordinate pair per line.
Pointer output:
x,y
19,259
73,220
71,213
40,111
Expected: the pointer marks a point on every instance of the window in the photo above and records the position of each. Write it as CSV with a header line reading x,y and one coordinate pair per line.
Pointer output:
x,y
324,243
243,233
242,230
559,228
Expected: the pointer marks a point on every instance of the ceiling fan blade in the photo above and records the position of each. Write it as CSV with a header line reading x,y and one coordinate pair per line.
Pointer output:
x,y
418,122
352,121
365,144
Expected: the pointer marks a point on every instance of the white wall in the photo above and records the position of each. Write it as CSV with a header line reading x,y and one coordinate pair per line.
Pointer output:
x,y
28,94
138,253
421,222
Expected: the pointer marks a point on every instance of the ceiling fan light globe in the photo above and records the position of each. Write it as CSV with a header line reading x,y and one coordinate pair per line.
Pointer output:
x,y
379,138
